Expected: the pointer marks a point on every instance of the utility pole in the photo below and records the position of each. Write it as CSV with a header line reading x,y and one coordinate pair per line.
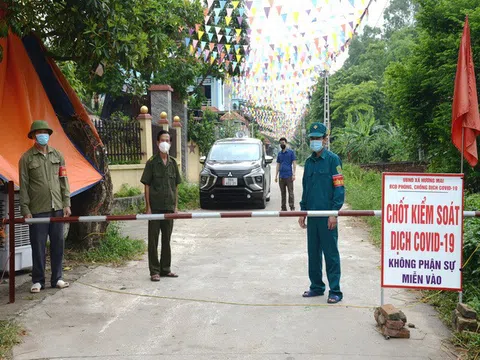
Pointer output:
x,y
326,108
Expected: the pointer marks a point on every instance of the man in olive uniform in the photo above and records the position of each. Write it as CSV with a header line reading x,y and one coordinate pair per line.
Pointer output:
x,y
323,189
44,192
161,178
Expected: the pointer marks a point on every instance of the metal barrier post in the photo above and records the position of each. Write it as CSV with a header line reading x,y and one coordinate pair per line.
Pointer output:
x,y
11,233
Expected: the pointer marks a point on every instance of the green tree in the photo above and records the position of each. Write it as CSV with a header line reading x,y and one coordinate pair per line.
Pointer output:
x,y
420,88
202,130
132,40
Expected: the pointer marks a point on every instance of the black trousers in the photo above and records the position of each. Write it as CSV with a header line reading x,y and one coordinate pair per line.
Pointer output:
x,y
38,239
161,267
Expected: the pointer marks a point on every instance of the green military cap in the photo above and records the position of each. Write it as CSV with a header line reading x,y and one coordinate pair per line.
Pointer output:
x,y
39,125
317,129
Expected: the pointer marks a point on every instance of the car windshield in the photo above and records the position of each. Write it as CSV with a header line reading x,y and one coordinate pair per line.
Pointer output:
x,y
234,152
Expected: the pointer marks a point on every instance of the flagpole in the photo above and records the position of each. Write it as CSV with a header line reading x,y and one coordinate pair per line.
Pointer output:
x,y
463,137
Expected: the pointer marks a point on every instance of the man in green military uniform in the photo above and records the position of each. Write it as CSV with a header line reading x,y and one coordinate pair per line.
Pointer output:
x,y
323,189
161,178
44,192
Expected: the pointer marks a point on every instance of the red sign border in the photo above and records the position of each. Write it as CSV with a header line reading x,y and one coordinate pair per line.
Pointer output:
x,y
462,176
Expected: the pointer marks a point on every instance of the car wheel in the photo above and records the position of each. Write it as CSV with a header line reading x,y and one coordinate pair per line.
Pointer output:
x,y
262,204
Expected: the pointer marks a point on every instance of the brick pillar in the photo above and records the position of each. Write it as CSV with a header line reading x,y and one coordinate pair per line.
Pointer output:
x,y
145,120
161,110
178,127
161,101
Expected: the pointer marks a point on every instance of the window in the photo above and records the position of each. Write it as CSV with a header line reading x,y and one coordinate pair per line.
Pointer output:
x,y
235,152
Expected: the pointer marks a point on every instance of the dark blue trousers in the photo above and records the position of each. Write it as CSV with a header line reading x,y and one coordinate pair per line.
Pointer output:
x,y
323,242
38,240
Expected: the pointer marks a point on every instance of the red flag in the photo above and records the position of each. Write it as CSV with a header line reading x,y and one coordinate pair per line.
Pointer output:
x,y
465,114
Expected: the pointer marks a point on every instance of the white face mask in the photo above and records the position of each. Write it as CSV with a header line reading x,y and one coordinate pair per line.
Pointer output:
x,y
164,147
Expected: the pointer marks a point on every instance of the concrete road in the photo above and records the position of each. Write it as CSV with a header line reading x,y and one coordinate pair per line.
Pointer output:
x,y
238,297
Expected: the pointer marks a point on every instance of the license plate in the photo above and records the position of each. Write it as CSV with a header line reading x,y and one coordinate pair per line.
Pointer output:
x,y
230,181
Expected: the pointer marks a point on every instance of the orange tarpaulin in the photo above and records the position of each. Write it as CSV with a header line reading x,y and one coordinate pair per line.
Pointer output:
x,y
22,100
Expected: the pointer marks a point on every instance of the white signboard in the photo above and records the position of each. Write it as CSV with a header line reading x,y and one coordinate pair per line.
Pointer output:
x,y
422,231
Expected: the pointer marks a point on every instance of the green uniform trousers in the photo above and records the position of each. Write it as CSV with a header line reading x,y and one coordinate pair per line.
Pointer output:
x,y
161,267
323,241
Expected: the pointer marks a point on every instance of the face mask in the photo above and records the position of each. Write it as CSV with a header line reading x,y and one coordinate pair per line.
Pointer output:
x,y
164,147
282,146
316,145
42,139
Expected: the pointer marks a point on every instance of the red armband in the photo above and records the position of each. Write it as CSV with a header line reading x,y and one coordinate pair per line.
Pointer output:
x,y
337,180
62,172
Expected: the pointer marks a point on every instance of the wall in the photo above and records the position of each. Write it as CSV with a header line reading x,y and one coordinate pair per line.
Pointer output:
x,y
194,166
126,174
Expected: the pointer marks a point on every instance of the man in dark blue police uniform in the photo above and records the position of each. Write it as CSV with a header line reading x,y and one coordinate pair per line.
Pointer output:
x,y
323,189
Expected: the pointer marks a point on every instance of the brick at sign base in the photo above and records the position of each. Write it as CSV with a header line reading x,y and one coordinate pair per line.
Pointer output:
x,y
466,311
461,323
390,312
403,333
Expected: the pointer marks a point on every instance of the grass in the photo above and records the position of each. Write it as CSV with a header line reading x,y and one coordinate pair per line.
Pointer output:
x,y
10,333
128,191
364,192
113,249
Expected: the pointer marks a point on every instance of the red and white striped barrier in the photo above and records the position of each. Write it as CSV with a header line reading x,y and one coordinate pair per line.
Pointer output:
x,y
207,215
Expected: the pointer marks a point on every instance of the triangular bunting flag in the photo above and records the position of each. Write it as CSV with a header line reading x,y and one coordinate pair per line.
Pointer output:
x,y
238,31
217,19
228,19
240,20
267,11
210,36
187,41
229,11
222,4
217,11
235,4
200,34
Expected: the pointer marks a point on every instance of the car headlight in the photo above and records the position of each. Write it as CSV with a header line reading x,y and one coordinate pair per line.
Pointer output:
x,y
254,179
207,179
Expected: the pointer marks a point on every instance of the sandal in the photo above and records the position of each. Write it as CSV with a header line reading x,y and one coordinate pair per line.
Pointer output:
x,y
155,277
36,288
170,274
310,293
333,299
62,284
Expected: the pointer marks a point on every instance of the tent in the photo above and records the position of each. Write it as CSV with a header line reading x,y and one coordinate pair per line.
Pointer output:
x,y
32,87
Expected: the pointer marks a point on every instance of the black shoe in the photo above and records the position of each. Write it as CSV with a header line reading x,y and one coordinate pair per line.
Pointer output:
x,y
292,209
284,209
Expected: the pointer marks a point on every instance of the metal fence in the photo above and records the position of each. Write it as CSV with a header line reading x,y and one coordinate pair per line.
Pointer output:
x,y
122,140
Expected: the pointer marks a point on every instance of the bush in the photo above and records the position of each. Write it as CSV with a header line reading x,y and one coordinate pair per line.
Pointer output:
x,y
188,196
113,249
126,191
363,191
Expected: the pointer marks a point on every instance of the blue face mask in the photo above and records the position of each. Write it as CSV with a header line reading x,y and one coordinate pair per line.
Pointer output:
x,y
42,139
316,145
